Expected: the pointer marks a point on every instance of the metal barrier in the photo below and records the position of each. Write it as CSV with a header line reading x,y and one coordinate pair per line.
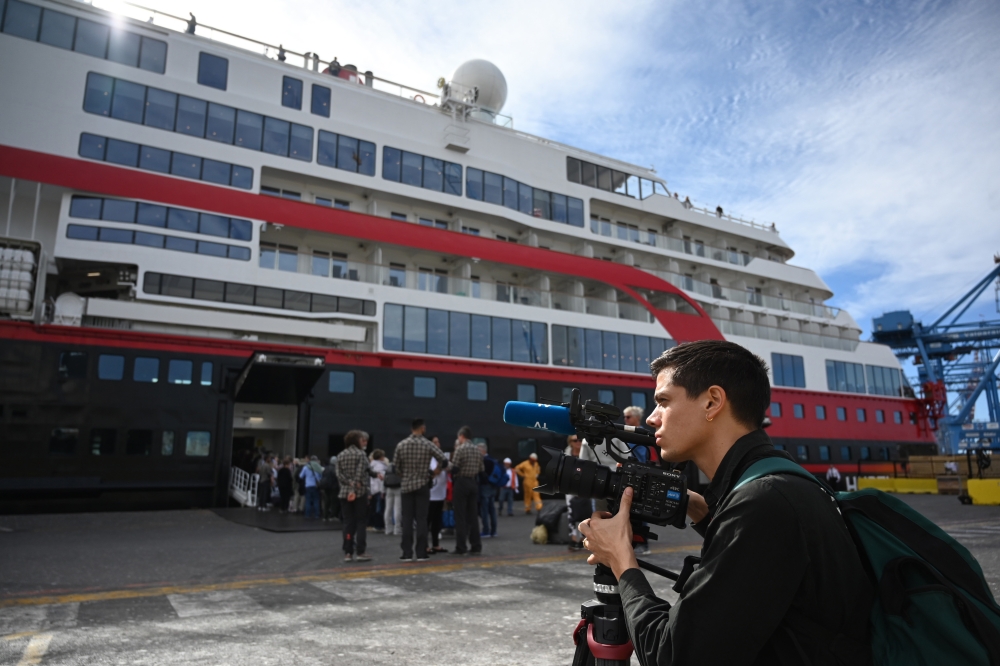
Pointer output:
x,y
243,486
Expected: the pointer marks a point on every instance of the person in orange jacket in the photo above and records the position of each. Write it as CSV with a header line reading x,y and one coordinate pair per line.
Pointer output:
x,y
529,470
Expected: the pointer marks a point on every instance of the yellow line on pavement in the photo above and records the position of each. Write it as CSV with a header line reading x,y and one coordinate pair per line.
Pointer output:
x,y
37,647
14,637
410,570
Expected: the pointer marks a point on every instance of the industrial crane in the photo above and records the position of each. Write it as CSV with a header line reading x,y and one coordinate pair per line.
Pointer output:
x,y
956,363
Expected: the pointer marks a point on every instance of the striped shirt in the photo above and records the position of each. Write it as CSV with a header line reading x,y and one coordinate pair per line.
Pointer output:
x,y
412,461
467,461
352,472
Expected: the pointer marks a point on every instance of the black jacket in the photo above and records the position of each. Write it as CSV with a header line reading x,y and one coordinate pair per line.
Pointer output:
x,y
778,570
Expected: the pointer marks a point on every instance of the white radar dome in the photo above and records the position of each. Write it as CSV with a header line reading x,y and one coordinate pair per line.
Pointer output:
x,y
488,78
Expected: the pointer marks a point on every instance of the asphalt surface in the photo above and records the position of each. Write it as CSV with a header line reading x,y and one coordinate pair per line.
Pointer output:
x,y
189,587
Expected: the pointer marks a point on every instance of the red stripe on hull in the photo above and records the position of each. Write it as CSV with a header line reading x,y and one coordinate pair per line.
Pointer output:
x,y
810,427
123,182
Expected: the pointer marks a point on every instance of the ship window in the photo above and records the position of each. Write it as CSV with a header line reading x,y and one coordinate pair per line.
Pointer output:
x,y
824,453
788,370
603,178
152,159
424,387
541,204
92,146
559,208
799,411
182,220
149,240
391,163
476,390
241,294
588,174
276,134
146,369
862,415
412,170
639,400
102,441
267,297
844,376
474,184
186,166
72,365
866,453
127,101
116,236
879,416
841,414
300,144
212,249
594,354
152,215
415,329
291,93
347,153
572,170
213,171
324,303
341,381
91,38
242,177
221,123
775,409
177,286
606,396
524,198
820,413
802,453
138,442
153,55
63,441
110,367
88,208
57,29
297,300
239,253
459,334
453,178
212,70
897,417
433,174
437,332
500,346
249,127
610,344
198,443
288,258
574,211
209,290
321,100
123,47
526,392
480,336
626,352
22,20
97,97
845,453
191,115
392,328
510,193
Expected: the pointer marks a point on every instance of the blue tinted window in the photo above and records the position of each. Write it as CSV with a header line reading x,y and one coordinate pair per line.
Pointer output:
x,y
161,108
413,166
154,159
639,400
775,409
474,184
92,146
459,334
453,178
841,414
539,343
152,215
366,151
341,381
820,413
510,193
249,127
212,249
481,336
559,208
476,390
241,253
125,153
81,232
520,341
326,149
606,396
146,369
110,366
291,93
415,329
179,372
434,174
541,204
276,136
212,70
798,411
437,332
181,244
191,115
183,220
610,343
321,101
116,236
57,29
300,145
213,171
500,343
153,55
91,38
392,328
214,225
492,188
391,163
575,212
206,373
88,208
187,166
626,353
149,240
424,387
592,346
526,392
97,97
221,123
128,101
242,177
23,20
115,210
123,47
241,230
347,153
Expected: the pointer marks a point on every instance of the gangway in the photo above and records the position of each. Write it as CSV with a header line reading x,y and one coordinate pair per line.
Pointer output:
x,y
956,362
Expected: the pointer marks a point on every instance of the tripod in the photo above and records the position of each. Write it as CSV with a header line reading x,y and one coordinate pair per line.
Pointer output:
x,y
601,636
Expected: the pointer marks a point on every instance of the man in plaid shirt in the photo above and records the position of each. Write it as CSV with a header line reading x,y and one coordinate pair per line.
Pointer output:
x,y
466,464
412,461
353,473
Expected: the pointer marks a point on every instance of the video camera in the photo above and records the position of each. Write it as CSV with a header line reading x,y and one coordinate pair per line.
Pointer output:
x,y
659,495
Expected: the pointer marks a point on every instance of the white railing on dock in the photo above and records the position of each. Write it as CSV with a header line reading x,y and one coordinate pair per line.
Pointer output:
x,y
243,486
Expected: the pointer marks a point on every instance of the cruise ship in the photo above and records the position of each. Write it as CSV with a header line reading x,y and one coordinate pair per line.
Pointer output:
x,y
210,245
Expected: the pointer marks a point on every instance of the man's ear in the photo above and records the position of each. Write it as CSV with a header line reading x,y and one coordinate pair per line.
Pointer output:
x,y
716,401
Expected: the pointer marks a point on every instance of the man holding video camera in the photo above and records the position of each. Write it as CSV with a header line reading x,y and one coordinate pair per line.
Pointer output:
x,y
780,581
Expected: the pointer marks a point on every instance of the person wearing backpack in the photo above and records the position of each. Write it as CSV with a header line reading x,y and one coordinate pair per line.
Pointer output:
x,y
780,579
490,479
329,488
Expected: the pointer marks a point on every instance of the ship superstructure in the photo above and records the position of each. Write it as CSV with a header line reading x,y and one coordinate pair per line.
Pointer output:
x,y
210,250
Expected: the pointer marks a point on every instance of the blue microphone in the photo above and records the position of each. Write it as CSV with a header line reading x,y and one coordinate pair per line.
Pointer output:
x,y
553,418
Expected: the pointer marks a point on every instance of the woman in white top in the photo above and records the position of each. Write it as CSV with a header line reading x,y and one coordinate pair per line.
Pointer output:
x,y
377,502
439,493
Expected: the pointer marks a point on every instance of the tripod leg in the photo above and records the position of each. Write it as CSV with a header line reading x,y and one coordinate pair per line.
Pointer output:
x,y
582,656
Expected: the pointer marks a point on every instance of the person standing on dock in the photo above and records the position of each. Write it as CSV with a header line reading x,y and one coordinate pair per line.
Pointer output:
x,y
466,464
412,461
529,470
354,473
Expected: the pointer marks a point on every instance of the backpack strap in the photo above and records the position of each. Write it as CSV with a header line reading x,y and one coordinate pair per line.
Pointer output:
x,y
768,466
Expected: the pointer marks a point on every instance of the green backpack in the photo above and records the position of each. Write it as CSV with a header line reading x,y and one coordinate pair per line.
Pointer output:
x,y
932,603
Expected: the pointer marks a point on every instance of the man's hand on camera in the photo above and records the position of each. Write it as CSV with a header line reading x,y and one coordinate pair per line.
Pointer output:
x,y
697,507
609,537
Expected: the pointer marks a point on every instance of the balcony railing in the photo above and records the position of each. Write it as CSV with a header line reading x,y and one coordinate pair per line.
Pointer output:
x,y
781,335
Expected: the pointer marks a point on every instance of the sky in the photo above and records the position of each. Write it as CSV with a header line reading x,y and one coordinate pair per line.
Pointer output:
x,y
868,132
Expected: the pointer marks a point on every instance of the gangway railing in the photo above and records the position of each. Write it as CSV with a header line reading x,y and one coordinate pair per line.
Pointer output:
x,y
243,486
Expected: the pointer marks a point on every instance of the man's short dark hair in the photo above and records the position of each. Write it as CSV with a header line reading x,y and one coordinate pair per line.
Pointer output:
x,y
465,431
417,423
740,373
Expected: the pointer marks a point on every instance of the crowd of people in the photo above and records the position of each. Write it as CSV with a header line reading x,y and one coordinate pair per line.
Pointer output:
x,y
417,495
